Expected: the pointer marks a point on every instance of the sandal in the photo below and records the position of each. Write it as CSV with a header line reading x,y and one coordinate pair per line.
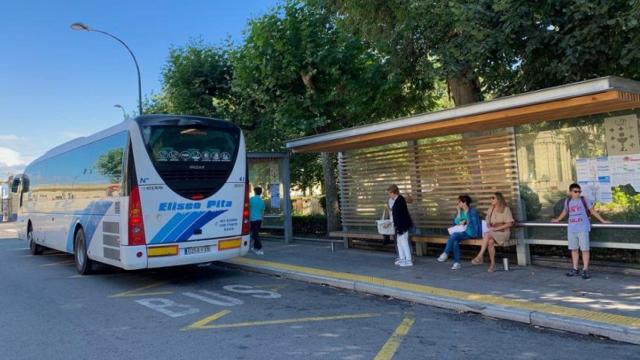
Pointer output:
x,y
477,261
492,268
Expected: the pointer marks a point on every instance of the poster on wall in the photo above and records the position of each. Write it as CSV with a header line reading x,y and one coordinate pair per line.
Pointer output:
x,y
595,178
274,189
625,170
622,135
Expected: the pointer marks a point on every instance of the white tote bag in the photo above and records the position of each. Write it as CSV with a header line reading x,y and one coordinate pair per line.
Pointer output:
x,y
382,230
457,228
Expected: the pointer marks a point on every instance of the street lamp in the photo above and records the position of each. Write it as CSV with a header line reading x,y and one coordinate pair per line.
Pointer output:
x,y
124,113
81,26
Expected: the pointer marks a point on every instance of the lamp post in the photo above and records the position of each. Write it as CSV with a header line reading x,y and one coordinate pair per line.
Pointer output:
x,y
124,112
81,26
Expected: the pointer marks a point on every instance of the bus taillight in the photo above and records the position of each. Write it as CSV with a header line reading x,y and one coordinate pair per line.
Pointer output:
x,y
136,225
245,212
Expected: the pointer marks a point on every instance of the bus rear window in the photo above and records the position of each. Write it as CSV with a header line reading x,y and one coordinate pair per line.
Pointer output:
x,y
194,160
178,144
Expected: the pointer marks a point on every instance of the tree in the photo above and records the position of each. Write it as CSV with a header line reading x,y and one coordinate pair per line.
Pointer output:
x,y
299,74
196,80
501,47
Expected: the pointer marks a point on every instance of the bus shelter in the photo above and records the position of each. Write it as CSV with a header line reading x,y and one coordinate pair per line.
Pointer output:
x,y
270,171
530,147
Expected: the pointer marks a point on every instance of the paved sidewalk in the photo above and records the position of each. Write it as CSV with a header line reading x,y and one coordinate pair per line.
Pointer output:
x,y
606,305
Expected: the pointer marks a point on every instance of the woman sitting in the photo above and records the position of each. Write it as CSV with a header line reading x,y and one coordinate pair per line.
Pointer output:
x,y
499,221
468,216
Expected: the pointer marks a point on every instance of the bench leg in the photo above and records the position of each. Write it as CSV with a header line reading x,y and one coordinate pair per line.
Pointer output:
x,y
522,253
421,249
346,242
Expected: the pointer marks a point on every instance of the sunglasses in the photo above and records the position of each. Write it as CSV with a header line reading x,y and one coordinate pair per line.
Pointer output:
x,y
576,191
493,198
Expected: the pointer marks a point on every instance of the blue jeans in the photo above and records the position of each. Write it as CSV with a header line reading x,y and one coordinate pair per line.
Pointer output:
x,y
453,244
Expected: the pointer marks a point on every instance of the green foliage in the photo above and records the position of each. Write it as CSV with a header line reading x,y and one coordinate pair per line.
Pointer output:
x,y
510,46
196,81
531,202
309,224
625,206
109,164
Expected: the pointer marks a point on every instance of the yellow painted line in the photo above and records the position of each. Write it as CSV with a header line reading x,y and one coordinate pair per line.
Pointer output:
x,y
202,323
608,318
139,291
205,323
391,346
64,262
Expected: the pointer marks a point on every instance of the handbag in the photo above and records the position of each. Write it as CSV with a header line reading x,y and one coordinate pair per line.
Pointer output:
x,y
457,228
388,230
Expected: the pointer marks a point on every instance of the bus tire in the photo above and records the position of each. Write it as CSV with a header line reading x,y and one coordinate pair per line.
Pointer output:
x,y
34,248
84,265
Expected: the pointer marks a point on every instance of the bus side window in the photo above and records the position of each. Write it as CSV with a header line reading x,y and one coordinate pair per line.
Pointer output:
x,y
15,185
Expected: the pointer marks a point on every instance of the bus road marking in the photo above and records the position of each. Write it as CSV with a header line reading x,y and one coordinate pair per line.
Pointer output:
x,y
138,291
391,346
168,307
205,323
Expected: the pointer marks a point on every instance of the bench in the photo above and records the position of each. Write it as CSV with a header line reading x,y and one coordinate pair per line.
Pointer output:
x,y
421,241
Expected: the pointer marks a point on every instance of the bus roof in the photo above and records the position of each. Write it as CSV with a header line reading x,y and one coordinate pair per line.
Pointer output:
x,y
124,125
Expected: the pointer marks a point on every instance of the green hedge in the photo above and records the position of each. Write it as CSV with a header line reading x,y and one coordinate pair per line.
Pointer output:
x,y
309,224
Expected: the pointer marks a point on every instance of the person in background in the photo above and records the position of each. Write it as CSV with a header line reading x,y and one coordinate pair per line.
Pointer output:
x,y
579,209
465,215
256,213
402,222
499,221
386,239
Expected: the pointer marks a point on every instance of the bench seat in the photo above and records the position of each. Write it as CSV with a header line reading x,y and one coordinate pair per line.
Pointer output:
x,y
420,240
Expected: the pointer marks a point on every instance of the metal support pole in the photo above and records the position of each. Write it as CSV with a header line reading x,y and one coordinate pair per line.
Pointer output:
x,y
286,179
341,169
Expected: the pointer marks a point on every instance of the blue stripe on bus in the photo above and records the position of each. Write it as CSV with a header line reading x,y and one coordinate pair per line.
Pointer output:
x,y
184,224
202,221
89,218
170,225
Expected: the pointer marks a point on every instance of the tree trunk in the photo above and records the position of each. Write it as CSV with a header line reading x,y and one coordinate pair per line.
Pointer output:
x,y
330,191
464,90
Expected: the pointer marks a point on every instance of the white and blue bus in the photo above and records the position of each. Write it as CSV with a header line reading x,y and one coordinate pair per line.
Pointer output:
x,y
155,191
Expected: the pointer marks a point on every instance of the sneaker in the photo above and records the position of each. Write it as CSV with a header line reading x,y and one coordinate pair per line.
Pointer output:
x,y
406,263
573,272
443,257
586,275
257,252
398,262
456,266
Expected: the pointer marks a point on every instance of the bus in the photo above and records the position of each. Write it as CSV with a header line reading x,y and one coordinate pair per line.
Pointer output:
x,y
154,191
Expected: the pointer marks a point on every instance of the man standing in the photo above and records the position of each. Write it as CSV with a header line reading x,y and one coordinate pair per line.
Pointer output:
x,y
256,213
579,210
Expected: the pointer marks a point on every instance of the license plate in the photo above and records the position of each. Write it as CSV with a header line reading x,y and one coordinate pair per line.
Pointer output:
x,y
197,250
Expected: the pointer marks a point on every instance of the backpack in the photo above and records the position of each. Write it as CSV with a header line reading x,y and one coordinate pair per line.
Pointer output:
x,y
584,203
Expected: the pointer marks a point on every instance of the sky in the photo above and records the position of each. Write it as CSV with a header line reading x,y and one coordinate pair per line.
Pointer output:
x,y
57,84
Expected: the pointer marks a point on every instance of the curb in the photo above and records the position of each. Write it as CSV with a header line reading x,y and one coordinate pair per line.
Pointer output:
x,y
536,318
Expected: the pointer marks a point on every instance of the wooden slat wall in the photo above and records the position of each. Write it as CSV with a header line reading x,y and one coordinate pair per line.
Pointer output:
x,y
434,171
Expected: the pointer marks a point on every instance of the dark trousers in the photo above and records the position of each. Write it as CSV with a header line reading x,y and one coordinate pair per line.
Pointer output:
x,y
255,234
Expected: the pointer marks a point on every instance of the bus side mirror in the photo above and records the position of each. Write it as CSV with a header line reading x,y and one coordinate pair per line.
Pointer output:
x,y
25,184
15,185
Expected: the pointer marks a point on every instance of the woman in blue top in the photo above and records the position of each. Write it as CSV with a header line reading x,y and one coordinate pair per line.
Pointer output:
x,y
466,215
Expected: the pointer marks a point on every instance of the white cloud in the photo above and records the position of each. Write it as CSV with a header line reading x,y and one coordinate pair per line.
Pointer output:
x,y
9,157
9,137
12,162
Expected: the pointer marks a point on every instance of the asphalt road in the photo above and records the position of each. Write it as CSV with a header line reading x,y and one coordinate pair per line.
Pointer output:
x,y
49,312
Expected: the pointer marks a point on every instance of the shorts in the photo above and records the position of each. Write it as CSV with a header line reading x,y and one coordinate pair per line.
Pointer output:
x,y
579,240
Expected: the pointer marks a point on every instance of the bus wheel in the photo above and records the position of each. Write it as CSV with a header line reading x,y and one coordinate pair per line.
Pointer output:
x,y
84,265
34,248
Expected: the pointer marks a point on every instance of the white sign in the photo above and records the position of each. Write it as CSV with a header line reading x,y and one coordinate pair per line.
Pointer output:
x,y
594,177
274,189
